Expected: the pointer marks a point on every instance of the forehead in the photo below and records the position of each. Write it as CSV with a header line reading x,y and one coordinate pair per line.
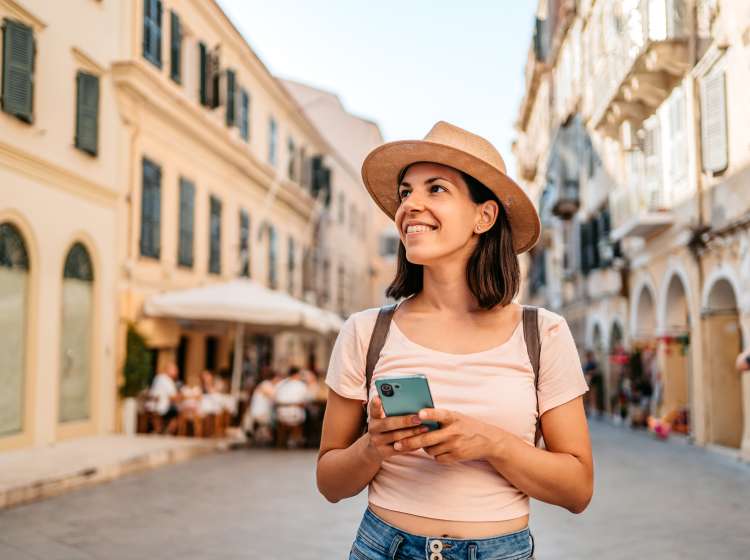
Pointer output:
x,y
422,171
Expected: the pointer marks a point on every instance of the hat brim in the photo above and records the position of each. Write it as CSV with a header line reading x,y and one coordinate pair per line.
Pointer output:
x,y
382,166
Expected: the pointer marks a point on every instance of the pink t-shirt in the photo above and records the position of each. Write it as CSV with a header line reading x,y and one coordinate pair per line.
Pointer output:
x,y
495,386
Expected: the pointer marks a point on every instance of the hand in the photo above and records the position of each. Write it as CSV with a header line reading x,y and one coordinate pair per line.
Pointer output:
x,y
460,438
384,431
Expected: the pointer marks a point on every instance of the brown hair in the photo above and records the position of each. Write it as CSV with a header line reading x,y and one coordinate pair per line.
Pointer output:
x,y
492,272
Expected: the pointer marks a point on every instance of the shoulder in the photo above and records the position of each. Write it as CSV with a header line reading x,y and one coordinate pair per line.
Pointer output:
x,y
360,323
551,323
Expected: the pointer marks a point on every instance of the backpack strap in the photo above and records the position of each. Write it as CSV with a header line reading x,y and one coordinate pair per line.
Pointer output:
x,y
534,349
377,340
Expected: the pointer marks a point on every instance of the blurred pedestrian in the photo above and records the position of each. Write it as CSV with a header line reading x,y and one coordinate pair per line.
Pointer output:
x,y
743,361
259,419
166,396
593,376
292,394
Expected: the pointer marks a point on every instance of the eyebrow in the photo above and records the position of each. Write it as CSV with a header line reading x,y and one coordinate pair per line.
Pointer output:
x,y
428,181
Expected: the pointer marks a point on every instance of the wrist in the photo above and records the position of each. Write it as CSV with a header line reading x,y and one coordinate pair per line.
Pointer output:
x,y
369,453
498,451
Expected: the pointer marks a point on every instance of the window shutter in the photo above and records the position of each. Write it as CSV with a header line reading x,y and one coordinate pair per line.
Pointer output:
x,y
231,99
714,123
157,31
245,115
152,16
203,73
87,117
187,218
175,54
18,70
585,239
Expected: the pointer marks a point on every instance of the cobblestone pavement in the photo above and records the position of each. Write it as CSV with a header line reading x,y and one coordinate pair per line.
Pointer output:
x,y
652,500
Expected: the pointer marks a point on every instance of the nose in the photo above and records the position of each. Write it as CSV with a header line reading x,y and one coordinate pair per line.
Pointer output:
x,y
413,203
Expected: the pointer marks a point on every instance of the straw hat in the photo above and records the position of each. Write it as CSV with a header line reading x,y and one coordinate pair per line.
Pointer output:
x,y
450,145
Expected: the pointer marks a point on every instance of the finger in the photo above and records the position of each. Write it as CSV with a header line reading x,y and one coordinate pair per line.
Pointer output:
x,y
446,458
424,440
438,415
376,408
439,449
402,434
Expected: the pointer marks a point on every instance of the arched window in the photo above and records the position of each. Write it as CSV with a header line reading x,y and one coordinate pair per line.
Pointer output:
x,y
14,289
75,338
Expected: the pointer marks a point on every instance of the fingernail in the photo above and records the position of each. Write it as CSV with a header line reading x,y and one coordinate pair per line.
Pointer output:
x,y
422,414
397,446
415,420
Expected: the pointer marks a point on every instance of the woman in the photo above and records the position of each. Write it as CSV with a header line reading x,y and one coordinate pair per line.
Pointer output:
x,y
461,491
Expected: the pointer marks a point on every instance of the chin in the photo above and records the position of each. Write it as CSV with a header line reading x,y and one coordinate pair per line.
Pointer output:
x,y
423,256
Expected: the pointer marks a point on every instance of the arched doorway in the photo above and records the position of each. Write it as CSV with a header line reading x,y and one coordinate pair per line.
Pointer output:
x,y
674,358
14,295
723,342
645,316
76,333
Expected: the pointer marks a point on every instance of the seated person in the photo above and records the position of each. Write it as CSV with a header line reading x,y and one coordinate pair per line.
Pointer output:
x,y
166,396
291,396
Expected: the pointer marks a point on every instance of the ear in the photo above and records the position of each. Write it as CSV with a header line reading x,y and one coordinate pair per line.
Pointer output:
x,y
486,215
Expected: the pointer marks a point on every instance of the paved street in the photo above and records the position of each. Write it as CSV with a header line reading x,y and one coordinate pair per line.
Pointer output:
x,y
652,500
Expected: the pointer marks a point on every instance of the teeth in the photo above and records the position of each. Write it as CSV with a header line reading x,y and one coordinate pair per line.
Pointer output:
x,y
417,229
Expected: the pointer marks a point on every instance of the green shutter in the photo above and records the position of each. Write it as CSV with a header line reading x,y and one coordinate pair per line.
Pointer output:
x,y
244,115
152,16
18,70
151,210
87,117
231,98
186,225
202,70
175,53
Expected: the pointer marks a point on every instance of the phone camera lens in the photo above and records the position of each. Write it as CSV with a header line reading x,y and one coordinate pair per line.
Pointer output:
x,y
387,389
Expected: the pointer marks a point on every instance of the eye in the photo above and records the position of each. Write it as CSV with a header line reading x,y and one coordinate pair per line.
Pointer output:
x,y
402,193
438,187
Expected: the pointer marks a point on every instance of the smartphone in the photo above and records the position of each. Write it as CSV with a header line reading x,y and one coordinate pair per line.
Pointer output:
x,y
404,395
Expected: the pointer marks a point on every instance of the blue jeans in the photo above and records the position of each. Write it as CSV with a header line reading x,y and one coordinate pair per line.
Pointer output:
x,y
377,540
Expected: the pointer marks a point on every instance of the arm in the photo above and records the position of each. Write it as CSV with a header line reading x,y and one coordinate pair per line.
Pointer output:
x,y
561,475
348,461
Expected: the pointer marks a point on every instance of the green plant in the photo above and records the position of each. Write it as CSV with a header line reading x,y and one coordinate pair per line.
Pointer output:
x,y
137,368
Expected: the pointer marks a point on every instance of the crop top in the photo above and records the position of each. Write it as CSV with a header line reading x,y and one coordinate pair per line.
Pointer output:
x,y
495,386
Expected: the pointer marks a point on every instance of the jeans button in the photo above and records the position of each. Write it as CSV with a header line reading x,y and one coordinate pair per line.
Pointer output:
x,y
436,556
436,546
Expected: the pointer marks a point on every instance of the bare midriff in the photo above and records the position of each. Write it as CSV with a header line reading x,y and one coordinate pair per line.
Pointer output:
x,y
428,527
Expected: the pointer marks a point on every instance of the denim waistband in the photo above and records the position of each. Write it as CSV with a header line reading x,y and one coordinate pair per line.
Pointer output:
x,y
377,539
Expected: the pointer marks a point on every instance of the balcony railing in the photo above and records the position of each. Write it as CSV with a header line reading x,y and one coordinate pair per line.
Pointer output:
x,y
645,54
639,210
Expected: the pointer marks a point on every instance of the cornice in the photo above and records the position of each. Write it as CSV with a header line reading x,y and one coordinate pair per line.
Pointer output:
x,y
152,92
52,174
22,14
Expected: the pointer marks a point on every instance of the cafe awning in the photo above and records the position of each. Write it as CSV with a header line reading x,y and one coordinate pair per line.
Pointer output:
x,y
246,302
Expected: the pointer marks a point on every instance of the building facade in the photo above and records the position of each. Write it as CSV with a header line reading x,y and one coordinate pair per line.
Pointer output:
x,y
60,158
631,137
154,153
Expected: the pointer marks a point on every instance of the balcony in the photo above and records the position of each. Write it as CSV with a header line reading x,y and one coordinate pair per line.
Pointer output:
x,y
639,211
646,55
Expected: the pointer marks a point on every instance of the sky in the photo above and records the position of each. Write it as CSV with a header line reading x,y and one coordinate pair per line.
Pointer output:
x,y
404,64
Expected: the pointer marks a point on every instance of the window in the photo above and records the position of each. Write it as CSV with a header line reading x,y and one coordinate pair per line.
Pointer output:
x,y
292,163
214,242
76,334
244,115
152,31
208,75
244,244
14,292
272,141
678,139
231,114
203,74
714,141
272,278
175,48
290,267
186,223
342,208
341,289
87,113
388,245
151,210
18,70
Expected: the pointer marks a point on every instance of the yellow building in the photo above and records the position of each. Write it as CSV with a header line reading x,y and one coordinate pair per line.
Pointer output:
x,y
154,153
60,163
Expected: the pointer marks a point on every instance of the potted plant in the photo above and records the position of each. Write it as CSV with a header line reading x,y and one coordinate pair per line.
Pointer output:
x,y
136,373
